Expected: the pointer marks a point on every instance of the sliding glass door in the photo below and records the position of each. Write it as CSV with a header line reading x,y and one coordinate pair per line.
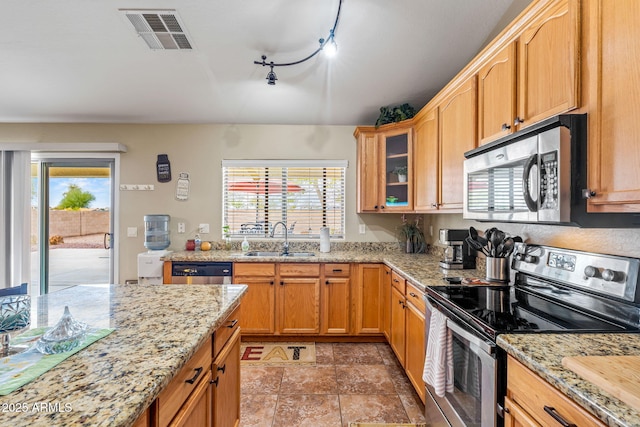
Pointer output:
x,y
71,222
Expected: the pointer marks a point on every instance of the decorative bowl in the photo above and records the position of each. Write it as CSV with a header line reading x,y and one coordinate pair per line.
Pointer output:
x,y
15,312
66,335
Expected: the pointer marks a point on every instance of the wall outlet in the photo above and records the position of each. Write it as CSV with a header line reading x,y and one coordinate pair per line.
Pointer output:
x,y
362,228
203,228
181,227
132,231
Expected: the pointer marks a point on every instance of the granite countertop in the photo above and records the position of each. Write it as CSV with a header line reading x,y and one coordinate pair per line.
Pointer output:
x,y
420,269
111,382
543,353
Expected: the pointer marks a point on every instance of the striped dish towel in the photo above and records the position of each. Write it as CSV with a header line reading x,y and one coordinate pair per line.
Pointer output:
x,y
438,364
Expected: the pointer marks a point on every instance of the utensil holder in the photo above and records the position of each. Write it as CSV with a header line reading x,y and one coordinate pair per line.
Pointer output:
x,y
498,269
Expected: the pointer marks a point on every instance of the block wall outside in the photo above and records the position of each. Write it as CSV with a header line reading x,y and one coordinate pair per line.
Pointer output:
x,y
74,223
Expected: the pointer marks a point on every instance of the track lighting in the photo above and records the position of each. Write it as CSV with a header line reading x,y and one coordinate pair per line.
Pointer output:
x,y
328,45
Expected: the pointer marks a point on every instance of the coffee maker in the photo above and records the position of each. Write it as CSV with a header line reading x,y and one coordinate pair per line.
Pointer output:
x,y
458,255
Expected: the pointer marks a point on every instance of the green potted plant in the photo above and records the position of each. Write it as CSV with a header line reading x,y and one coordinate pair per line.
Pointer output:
x,y
395,114
401,171
411,237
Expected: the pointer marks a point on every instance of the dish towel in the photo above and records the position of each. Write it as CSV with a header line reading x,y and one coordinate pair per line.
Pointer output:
x,y
438,364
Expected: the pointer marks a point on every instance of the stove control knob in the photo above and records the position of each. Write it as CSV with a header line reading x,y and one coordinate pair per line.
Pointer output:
x,y
591,271
611,276
531,259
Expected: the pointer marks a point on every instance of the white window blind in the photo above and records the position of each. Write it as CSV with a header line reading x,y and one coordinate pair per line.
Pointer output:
x,y
305,195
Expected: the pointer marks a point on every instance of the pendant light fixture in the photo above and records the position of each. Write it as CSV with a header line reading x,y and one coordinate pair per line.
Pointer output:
x,y
328,45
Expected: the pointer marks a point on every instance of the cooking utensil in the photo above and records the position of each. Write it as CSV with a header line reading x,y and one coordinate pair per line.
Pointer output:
x,y
476,245
496,238
507,247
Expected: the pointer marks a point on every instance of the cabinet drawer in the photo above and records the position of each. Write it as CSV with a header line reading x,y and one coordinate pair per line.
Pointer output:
x,y
398,282
336,270
298,269
254,269
533,394
222,334
182,385
414,296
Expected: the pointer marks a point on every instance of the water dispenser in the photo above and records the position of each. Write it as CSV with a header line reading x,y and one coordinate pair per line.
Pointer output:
x,y
156,232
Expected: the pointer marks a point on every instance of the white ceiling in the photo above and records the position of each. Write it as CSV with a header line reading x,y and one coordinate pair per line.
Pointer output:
x,y
77,61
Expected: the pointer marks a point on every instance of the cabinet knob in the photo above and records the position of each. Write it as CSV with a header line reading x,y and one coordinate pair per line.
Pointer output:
x,y
215,381
517,121
375,207
223,368
327,282
505,126
281,283
434,205
382,207
413,294
588,193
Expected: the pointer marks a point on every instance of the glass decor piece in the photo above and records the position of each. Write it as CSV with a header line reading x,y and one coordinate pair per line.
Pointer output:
x,y
15,312
66,335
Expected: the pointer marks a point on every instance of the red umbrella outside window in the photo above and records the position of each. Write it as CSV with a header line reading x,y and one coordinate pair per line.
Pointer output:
x,y
263,187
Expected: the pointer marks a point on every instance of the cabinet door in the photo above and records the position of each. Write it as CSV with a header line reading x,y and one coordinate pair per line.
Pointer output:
x,y
426,169
397,171
196,411
515,416
335,305
548,64
368,299
368,173
614,128
299,305
386,303
226,385
415,348
258,305
497,95
397,340
457,135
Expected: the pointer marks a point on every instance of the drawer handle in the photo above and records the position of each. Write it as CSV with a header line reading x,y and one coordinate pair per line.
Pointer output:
x,y
195,377
233,324
337,270
552,411
223,368
413,294
396,281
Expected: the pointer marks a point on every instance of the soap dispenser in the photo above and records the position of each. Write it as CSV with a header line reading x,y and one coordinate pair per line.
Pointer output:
x,y
245,245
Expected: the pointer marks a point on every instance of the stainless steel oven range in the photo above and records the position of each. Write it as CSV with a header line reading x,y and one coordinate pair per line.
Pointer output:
x,y
553,290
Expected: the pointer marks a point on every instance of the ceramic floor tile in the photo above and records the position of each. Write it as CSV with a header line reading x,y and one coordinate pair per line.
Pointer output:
x,y
414,407
400,380
364,379
372,409
388,357
357,354
260,380
313,410
324,354
309,380
257,410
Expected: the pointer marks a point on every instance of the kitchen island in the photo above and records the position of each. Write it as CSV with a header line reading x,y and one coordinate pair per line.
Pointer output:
x,y
112,382
543,353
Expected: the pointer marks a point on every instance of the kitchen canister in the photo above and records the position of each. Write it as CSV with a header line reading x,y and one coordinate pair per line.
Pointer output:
x,y
325,245
498,269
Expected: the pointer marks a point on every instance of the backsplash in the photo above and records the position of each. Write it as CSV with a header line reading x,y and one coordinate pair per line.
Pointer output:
x,y
307,246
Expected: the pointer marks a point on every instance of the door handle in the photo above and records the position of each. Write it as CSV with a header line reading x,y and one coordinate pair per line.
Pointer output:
x,y
107,240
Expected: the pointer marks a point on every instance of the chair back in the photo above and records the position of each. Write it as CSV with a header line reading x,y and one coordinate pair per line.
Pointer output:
x,y
16,290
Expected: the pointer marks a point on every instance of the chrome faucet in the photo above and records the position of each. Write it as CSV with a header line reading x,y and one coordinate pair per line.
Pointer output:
x,y
285,245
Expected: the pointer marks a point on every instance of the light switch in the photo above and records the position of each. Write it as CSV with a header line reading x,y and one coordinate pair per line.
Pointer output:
x,y
204,228
362,228
132,231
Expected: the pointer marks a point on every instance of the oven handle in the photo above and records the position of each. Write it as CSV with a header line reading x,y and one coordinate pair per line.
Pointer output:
x,y
475,341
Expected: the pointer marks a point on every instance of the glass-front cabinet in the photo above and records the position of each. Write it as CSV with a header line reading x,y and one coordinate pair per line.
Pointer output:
x,y
385,168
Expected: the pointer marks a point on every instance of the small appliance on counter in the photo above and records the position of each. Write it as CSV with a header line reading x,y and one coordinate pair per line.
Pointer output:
x,y
458,255
156,240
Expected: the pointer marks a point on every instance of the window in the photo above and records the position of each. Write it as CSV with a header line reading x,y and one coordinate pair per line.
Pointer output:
x,y
306,195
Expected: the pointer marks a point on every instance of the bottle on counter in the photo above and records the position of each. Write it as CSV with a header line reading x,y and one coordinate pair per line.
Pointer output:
x,y
245,245
198,242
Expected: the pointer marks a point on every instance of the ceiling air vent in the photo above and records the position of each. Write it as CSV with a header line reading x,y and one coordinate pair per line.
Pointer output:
x,y
160,29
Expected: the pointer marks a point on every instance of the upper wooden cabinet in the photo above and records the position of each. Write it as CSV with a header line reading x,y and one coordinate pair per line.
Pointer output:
x,y
382,153
426,162
533,77
612,47
457,127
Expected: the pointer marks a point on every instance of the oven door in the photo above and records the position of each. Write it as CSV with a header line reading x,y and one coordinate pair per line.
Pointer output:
x,y
503,183
474,399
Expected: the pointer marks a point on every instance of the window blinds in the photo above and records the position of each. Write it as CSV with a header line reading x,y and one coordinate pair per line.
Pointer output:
x,y
305,195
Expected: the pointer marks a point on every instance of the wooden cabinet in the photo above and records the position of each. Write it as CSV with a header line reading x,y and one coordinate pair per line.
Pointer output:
x,y
385,301
531,401
298,299
612,54
457,135
397,339
226,384
548,63
335,299
196,411
368,299
426,181
259,304
385,168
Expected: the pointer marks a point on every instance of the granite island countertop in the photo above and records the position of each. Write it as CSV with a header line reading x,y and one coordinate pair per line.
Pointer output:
x,y
420,269
543,353
111,382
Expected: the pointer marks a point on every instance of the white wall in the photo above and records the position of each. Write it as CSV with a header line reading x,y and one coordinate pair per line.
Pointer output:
x,y
198,150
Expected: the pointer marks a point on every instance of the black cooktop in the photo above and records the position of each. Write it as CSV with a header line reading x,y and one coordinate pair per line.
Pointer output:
x,y
508,309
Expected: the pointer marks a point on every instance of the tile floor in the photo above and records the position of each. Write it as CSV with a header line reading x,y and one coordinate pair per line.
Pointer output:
x,y
349,383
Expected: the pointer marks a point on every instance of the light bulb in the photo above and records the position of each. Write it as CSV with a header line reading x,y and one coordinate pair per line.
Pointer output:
x,y
331,48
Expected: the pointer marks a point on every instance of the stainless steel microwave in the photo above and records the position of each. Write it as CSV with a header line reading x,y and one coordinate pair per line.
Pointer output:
x,y
537,175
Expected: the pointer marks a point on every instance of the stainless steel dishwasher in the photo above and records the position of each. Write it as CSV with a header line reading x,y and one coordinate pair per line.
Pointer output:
x,y
207,273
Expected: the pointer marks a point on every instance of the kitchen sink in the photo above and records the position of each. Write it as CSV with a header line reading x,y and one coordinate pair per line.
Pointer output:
x,y
278,254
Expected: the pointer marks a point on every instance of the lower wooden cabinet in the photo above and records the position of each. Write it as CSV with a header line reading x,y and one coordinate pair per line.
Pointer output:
x,y
415,347
226,384
259,303
368,299
196,411
531,401
335,290
397,339
386,302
